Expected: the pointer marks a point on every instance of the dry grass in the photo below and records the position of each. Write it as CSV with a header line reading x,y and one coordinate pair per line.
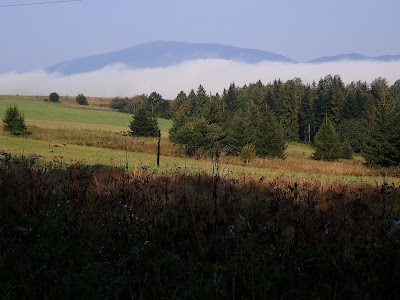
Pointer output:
x,y
73,125
91,232
96,103
299,160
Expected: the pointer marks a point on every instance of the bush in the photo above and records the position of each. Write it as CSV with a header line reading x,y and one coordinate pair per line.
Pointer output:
x,y
122,105
54,97
14,121
81,99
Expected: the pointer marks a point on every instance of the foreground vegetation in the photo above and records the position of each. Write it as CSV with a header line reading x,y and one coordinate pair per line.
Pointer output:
x,y
100,232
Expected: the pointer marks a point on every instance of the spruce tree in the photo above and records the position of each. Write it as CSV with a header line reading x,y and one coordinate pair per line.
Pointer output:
x,y
381,147
269,140
238,135
14,121
327,145
143,124
178,122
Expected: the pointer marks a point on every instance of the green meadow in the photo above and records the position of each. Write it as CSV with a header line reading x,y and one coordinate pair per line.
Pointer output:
x,y
40,110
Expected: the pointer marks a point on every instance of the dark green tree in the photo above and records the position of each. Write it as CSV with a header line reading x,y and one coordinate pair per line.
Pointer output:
x,y
268,138
230,99
14,121
178,122
81,99
200,102
238,134
327,145
337,104
157,105
291,93
181,104
353,132
213,113
192,103
143,123
257,94
54,97
198,136
381,147
306,119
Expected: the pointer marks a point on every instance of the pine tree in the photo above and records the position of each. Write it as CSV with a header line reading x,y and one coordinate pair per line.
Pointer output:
x,y
381,147
238,135
14,121
143,124
231,102
179,121
327,145
268,137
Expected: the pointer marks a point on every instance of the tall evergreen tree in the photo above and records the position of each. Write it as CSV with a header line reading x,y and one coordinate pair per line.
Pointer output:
x,y
306,115
290,96
257,95
181,104
178,122
231,99
268,139
327,145
381,147
201,102
143,123
238,134
336,106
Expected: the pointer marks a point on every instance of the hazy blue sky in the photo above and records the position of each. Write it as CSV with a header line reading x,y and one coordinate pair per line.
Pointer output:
x,y
42,35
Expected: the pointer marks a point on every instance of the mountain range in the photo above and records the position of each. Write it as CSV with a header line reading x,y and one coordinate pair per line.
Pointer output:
x,y
162,54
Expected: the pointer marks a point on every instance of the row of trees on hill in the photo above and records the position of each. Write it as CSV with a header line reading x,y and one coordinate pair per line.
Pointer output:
x,y
153,103
356,117
338,119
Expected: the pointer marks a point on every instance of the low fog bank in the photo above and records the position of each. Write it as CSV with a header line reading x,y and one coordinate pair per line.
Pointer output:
x,y
213,74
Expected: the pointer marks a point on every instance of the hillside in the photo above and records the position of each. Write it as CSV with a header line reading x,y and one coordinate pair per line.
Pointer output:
x,y
163,54
355,57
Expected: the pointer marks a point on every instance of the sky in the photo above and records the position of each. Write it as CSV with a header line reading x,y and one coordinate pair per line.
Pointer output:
x,y
38,36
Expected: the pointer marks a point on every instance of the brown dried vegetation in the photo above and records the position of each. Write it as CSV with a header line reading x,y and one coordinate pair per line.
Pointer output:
x,y
90,232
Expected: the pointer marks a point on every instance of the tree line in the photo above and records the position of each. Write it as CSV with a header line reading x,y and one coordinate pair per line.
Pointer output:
x,y
338,119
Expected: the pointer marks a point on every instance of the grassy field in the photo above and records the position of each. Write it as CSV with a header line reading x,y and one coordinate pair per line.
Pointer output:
x,y
55,114
294,168
76,134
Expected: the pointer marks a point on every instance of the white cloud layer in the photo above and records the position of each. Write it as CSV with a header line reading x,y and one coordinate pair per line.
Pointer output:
x,y
213,74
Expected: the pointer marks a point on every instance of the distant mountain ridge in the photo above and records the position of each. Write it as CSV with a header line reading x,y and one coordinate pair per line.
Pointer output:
x,y
355,57
162,54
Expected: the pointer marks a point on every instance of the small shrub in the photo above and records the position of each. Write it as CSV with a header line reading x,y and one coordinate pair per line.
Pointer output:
x,y
54,97
248,153
14,121
81,99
